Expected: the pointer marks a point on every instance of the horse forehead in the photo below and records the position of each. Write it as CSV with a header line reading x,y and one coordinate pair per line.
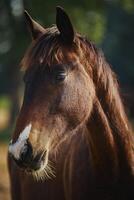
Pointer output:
x,y
59,55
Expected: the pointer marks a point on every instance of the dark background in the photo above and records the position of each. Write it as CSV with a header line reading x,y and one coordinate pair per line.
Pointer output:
x,y
109,23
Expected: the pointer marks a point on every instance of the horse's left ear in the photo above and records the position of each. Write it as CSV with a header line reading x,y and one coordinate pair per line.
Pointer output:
x,y
64,25
35,29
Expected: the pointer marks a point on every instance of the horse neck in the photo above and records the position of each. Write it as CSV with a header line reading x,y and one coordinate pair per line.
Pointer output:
x,y
102,145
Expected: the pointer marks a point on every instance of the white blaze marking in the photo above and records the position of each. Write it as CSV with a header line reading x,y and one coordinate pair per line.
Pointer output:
x,y
16,148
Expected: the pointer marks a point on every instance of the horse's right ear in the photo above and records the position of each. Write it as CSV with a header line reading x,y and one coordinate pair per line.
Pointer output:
x,y
35,29
64,25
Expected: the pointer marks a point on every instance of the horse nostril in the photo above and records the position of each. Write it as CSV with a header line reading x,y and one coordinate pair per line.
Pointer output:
x,y
26,153
28,160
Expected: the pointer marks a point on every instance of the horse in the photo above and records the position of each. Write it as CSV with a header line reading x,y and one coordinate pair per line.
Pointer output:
x,y
72,139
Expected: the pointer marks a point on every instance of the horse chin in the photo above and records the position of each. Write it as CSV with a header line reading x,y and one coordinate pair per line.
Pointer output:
x,y
44,172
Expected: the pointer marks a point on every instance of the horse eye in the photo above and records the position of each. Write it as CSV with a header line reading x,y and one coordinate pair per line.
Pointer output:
x,y
59,75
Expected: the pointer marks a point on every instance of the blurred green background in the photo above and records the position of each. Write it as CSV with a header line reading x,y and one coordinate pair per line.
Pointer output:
x,y
109,23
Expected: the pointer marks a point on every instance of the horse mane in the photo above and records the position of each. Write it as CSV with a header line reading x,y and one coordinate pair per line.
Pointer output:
x,y
109,100
109,104
44,50
108,131
48,49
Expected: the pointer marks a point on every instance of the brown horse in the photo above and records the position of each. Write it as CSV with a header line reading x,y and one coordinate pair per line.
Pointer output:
x,y
72,139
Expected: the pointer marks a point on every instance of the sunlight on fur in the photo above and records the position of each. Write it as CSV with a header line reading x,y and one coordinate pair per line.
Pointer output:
x,y
44,173
47,172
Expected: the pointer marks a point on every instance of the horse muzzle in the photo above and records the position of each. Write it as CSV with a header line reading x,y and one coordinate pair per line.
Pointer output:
x,y
28,160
